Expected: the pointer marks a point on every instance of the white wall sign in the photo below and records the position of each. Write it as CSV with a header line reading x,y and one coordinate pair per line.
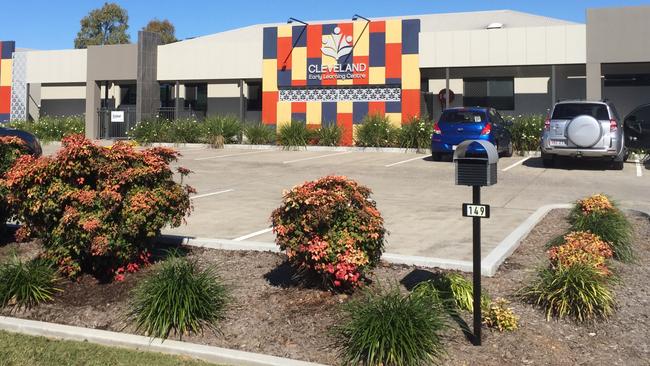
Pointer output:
x,y
117,116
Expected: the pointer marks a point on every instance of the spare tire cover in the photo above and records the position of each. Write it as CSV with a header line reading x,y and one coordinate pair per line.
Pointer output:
x,y
584,131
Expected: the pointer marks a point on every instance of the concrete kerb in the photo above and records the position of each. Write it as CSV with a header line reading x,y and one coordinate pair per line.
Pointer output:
x,y
141,343
489,265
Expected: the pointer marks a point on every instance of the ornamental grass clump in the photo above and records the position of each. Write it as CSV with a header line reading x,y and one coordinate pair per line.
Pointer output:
x,y
24,284
386,327
453,289
376,131
579,291
416,134
329,135
600,216
332,229
294,134
180,297
226,128
95,208
259,134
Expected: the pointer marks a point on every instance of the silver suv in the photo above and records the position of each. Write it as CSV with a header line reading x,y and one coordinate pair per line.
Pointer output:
x,y
584,129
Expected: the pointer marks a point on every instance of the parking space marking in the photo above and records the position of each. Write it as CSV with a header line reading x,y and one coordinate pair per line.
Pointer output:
x,y
211,194
639,170
515,164
251,235
229,155
405,161
315,157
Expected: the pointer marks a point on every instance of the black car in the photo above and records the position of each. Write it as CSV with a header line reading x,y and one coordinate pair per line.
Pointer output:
x,y
637,128
33,145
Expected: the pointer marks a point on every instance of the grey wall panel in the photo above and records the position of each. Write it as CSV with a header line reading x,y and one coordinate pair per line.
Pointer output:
x,y
63,107
618,34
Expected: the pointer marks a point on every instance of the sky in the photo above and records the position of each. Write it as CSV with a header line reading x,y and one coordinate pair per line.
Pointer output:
x,y
53,24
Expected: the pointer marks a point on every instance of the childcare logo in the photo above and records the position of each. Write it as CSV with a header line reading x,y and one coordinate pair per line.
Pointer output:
x,y
337,46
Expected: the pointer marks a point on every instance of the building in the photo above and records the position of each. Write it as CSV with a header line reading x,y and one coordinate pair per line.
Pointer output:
x,y
339,71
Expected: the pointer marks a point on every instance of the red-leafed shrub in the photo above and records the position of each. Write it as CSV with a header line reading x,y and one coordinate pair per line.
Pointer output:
x,y
97,208
330,227
580,247
11,148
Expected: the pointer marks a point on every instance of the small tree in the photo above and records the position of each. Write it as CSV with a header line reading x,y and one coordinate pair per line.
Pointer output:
x,y
164,27
107,25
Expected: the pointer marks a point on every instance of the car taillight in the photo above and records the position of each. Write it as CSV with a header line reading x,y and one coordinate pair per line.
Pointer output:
x,y
613,125
436,129
547,124
486,130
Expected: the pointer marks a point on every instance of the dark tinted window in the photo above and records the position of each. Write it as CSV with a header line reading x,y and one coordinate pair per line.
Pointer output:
x,y
570,111
498,93
641,114
462,116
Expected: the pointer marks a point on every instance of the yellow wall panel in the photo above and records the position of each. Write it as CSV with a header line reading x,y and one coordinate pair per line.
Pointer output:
x,y
314,113
270,75
344,107
394,31
410,72
299,63
363,43
395,119
345,82
284,114
5,73
377,75
284,30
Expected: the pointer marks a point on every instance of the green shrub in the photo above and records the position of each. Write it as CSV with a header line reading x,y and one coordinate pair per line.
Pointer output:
x,y
10,149
499,316
329,136
52,128
598,215
150,131
181,297
186,131
331,228
452,288
389,328
97,208
294,134
416,134
526,131
228,127
27,284
377,131
259,134
578,291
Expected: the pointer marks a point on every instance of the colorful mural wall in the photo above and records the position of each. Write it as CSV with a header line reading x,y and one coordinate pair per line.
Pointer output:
x,y
339,73
6,51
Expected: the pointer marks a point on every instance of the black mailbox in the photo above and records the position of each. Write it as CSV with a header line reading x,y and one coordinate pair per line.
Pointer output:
x,y
476,170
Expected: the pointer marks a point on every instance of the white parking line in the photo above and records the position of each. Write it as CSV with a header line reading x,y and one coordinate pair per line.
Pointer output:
x,y
251,235
211,194
404,161
515,164
315,157
238,154
639,169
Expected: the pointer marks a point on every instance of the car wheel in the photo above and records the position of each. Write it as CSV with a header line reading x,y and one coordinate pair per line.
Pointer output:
x,y
509,150
548,161
618,165
436,156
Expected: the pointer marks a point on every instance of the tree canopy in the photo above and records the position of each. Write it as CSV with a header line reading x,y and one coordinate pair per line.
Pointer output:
x,y
164,27
107,25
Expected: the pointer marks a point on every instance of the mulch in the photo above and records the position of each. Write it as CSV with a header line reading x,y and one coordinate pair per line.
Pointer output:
x,y
270,313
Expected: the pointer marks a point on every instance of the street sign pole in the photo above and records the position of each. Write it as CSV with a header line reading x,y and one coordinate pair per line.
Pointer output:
x,y
476,199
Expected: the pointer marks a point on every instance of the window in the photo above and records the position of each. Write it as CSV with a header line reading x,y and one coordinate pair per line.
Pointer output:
x,y
462,116
128,94
254,96
497,93
572,110
196,97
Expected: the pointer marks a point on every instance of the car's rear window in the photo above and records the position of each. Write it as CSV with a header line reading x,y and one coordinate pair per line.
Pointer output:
x,y
572,110
462,116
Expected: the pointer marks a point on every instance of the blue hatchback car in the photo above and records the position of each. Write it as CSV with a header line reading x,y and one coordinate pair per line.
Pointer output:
x,y
470,123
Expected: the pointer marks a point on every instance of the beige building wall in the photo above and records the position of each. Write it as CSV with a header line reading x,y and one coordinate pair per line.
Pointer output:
x,y
548,45
61,66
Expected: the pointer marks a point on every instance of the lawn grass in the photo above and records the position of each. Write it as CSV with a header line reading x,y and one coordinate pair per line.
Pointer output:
x,y
18,349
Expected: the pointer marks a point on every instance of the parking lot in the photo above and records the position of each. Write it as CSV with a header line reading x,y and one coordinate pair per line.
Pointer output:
x,y
238,189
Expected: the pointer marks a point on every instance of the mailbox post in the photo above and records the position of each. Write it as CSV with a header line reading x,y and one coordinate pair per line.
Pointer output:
x,y
476,171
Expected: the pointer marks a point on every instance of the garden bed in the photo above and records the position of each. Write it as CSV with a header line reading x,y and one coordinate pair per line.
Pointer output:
x,y
270,314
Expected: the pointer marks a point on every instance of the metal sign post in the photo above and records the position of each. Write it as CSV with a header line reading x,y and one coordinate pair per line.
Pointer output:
x,y
476,172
